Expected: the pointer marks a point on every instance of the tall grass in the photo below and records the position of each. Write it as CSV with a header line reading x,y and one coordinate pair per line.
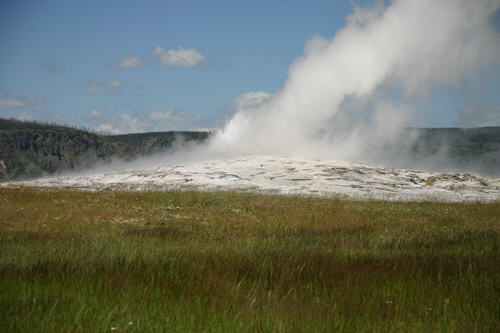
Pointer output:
x,y
190,261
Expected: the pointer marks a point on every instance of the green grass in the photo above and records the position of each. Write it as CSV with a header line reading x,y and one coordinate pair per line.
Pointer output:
x,y
75,261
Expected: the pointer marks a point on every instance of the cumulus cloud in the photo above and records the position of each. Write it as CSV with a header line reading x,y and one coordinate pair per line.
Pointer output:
x,y
51,66
21,101
125,62
180,57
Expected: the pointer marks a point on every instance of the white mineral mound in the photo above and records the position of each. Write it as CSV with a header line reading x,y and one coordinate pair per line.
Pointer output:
x,y
286,175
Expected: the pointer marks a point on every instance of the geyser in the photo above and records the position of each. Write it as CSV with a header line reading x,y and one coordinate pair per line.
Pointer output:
x,y
349,96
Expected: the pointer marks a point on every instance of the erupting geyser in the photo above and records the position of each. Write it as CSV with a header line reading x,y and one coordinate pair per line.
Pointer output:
x,y
407,48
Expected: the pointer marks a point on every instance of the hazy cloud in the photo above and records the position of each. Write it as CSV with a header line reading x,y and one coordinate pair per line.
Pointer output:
x,y
25,117
22,101
180,58
125,62
108,129
94,113
51,66
171,116
114,87
110,86
153,121
11,102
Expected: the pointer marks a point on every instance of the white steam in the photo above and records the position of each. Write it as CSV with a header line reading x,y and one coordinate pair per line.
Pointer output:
x,y
339,96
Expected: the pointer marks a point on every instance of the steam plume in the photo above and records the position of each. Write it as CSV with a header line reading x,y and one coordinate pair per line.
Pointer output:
x,y
339,95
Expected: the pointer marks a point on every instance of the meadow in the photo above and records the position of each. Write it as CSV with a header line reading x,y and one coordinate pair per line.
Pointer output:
x,y
75,261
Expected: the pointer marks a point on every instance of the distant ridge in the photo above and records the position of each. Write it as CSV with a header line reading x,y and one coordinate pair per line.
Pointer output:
x,y
32,149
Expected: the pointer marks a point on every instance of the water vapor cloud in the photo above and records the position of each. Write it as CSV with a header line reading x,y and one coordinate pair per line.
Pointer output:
x,y
350,95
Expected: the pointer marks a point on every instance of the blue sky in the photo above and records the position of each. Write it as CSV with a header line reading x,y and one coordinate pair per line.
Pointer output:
x,y
133,66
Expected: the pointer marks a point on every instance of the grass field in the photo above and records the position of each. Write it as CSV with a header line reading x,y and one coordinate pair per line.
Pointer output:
x,y
74,261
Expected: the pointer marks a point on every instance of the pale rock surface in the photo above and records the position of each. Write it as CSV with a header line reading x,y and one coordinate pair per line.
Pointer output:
x,y
287,175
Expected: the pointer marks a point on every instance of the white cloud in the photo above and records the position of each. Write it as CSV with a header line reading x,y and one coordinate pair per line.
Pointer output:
x,y
251,99
126,62
11,102
25,117
131,62
108,129
180,58
22,101
111,86
94,113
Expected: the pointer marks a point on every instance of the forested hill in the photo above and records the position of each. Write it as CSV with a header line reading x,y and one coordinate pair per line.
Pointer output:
x,y
32,149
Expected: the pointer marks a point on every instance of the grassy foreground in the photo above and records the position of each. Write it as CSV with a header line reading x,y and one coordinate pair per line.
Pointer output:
x,y
188,261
